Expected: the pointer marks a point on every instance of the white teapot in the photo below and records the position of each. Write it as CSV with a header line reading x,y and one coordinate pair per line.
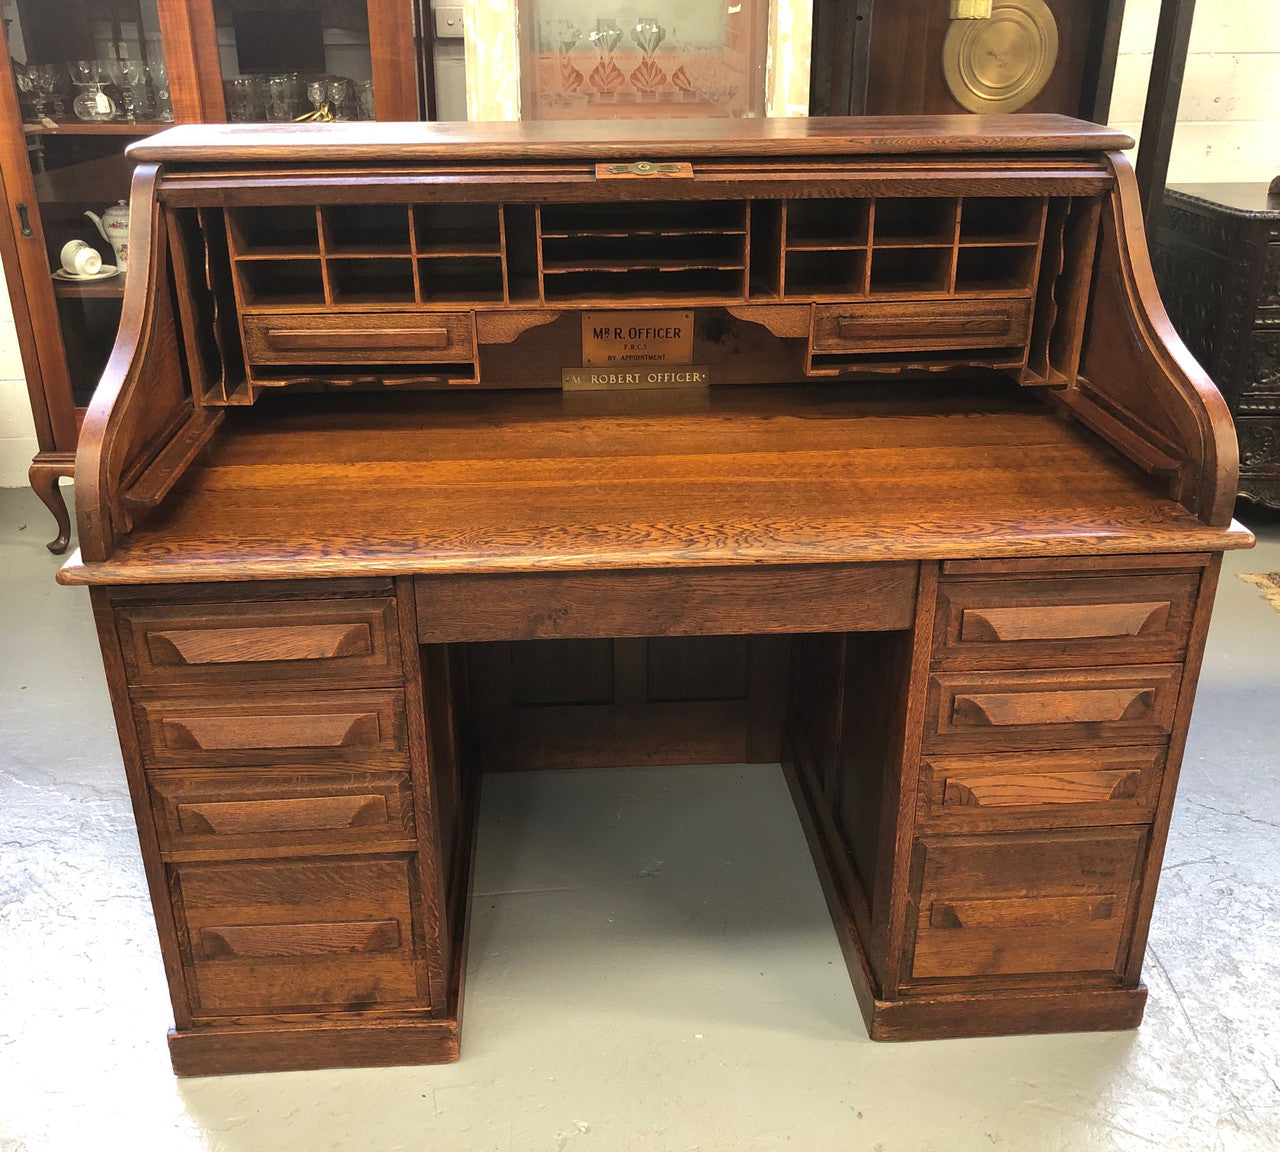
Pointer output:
x,y
114,226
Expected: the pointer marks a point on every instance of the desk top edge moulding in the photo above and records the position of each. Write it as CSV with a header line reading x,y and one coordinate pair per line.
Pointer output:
x,y
861,445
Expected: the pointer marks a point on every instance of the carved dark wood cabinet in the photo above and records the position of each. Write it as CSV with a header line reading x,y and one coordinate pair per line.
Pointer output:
x,y
927,501
1217,258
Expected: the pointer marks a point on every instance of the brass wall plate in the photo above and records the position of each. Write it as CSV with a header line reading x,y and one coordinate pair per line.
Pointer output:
x,y
1002,63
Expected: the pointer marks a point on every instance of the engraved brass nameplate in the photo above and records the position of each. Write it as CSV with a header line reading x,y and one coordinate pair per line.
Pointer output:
x,y
636,376
639,337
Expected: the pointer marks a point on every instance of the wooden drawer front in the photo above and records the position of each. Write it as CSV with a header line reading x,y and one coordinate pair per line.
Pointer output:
x,y
1053,789
1051,709
297,935
359,338
324,640
289,727
1011,905
1019,623
214,810
905,326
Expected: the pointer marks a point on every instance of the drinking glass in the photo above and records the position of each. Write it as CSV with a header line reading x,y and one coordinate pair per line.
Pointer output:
x,y
317,93
340,98
368,110
241,97
93,104
282,97
160,83
45,77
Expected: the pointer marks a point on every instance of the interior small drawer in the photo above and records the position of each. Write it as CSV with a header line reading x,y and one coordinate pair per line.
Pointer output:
x,y
1025,904
917,325
998,790
219,810
273,727
264,936
1018,623
359,338
334,640
1059,708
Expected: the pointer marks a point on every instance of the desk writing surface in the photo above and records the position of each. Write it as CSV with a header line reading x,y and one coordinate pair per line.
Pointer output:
x,y
331,486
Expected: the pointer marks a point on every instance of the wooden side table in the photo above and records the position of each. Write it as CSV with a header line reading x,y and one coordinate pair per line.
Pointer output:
x,y
1217,259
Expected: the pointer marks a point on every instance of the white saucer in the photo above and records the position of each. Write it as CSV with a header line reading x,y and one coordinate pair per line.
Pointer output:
x,y
108,270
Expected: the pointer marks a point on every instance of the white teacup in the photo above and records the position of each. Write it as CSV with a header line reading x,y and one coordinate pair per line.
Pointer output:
x,y
80,259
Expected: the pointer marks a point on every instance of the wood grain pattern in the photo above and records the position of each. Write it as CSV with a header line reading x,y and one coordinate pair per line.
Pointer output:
x,y
798,475
921,324
1051,902
621,141
229,817
262,941
872,597
995,791
320,725
222,641
203,813
1041,619
1002,711
1063,621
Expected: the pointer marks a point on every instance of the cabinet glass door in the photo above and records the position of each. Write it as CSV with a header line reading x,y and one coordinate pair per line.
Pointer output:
x,y
304,60
88,79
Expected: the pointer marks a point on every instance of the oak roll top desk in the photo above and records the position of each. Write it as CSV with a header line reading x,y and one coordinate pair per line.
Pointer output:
x,y
931,509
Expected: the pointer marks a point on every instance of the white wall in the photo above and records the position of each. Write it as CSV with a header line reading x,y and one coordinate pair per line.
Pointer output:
x,y
17,433
1229,116
1228,129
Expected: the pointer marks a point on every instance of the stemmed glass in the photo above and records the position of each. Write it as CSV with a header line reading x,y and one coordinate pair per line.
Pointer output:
x,y
317,93
45,77
160,82
93,103
340,99
129,76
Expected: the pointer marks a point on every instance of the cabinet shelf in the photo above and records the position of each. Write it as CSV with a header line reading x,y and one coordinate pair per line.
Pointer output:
x,y
96,128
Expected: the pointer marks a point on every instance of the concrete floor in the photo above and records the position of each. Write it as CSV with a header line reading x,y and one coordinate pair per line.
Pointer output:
x,y
652,966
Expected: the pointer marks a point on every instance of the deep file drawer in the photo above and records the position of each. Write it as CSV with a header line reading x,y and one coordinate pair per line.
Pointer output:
x,y
359,338
297,935
1026,903
1054,708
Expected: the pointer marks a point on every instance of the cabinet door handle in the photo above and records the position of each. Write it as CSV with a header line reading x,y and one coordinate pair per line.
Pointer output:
x,y
24,222
313,339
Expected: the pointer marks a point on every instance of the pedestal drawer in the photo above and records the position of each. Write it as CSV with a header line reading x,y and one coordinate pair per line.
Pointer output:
x,y
342,641
999,790
1025,904
297,935
1046,622
1058,708
222,810
273,727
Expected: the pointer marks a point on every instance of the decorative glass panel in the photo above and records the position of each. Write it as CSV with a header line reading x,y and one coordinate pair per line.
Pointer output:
x,y
612,59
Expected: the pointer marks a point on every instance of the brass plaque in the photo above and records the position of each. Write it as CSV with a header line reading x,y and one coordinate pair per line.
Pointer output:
x,y
616,339
1001,63
636,376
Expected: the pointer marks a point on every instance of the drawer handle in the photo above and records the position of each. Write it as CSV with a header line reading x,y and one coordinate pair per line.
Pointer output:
x,y
986,324
1087,706
1019,789
1020,911
195,646
307,340
1064,621
262,941
328,730
314,813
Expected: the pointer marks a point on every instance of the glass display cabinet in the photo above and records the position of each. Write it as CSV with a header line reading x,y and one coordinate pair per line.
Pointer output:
x,y
87,77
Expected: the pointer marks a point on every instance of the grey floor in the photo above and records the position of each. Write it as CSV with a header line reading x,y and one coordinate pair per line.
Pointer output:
x,y
652,966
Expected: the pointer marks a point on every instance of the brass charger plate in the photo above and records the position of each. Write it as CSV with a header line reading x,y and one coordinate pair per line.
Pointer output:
x,y
1001,63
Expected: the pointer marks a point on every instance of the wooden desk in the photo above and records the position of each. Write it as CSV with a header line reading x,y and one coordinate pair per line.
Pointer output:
x,y
942,535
